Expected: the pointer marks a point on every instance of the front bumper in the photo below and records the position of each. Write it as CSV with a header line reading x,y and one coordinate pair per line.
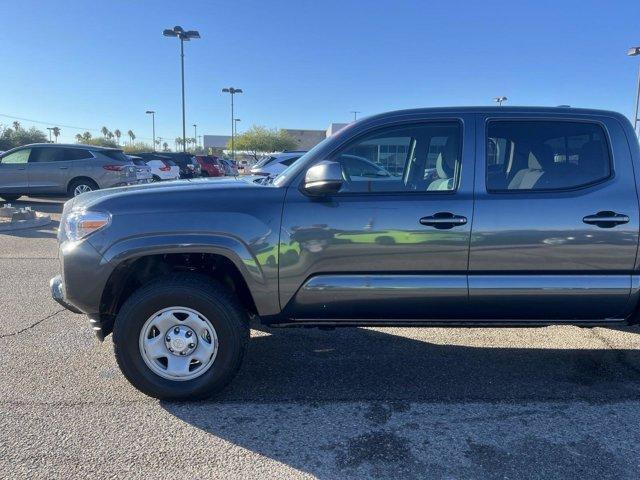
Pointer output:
x,y
57,293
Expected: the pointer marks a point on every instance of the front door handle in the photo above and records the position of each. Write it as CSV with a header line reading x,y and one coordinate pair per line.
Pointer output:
x,y
64,168
606,219
443,220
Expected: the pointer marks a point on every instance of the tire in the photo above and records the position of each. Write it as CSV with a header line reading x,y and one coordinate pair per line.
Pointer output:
x,y
197,293
155,178
78,184
204,174
10,198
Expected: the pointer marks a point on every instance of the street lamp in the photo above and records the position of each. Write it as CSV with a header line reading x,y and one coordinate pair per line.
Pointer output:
x,y
232,91
499,100
153,124
184,36
195,134
50,130
634,52
235,124
355,114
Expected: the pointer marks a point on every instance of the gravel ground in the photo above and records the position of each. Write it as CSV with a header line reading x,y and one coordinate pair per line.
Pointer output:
x,y
557,402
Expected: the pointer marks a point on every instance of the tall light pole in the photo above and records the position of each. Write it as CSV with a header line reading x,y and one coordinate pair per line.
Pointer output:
x,y
50,130
633,52
160,142
499,100
184,36
195,134
355,114
235,126
232,91
153,125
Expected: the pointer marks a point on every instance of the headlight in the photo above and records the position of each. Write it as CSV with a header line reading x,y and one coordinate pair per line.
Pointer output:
x,y
80,224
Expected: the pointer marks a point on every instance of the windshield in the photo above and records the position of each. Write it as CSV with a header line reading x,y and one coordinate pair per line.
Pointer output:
x,y
264,161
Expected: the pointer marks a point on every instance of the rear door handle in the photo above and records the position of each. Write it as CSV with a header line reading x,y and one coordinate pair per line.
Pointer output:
x,y
443,220
64,168
606,219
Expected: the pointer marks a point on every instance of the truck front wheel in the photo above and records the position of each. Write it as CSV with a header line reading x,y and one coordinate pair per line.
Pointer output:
x,y
181,337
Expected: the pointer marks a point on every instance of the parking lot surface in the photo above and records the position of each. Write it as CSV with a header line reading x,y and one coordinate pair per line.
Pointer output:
x,y
557,402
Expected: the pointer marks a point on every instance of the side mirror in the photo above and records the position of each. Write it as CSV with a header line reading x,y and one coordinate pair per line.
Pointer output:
x,y
323,178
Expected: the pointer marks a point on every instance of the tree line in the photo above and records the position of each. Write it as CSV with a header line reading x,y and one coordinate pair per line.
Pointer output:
x,y
256,141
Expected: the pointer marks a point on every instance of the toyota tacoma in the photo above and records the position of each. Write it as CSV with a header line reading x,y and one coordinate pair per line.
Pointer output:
x,y
496,216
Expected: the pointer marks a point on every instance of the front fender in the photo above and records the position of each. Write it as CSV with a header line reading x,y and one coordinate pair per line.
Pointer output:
x,y
261,285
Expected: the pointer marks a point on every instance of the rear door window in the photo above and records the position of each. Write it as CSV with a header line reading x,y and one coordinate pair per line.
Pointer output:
x,y
75,154
45,155
545,155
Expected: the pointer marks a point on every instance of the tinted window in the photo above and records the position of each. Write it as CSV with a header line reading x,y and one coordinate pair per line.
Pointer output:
x,y
75,154
45,154
58,154
545,155
115,155
415,158
139,162
21,156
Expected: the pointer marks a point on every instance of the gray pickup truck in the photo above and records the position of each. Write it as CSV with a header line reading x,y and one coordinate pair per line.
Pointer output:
x,y
482,216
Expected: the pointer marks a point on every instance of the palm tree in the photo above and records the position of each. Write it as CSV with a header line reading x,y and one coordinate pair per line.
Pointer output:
x,y
178,142
56,132
165,147
86,136
79,137
16,125
104,131
110,135
118,134
132,136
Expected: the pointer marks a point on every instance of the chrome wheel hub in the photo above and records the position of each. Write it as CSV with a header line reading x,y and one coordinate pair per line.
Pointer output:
x,y
181,340
178,343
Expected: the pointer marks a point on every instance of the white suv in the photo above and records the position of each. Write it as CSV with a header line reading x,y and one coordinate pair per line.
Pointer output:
x,y
274,164
162,167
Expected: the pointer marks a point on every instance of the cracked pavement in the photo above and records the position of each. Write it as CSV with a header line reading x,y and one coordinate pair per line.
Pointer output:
x,y
556,402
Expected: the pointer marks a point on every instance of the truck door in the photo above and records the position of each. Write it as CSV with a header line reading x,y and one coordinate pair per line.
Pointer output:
x,y
555,228
393,243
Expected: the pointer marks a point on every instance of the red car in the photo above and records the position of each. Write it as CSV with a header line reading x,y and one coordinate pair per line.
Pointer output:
x,y
211,166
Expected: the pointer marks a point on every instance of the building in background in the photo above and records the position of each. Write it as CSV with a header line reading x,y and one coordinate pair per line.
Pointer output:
x,y
334,128
215,142
306,139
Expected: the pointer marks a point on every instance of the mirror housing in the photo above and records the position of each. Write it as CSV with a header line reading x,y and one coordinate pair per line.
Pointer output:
x,y
323,178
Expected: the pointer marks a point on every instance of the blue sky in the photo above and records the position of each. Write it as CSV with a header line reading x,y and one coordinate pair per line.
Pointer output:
x,y
306,63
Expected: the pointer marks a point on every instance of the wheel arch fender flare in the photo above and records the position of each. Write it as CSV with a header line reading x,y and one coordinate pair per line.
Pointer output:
x,y
230,247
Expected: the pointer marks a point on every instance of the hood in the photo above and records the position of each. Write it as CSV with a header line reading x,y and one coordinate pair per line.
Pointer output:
x,y
137,193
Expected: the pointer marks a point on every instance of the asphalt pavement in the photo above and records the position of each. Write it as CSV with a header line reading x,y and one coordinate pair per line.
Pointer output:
x,y
556,402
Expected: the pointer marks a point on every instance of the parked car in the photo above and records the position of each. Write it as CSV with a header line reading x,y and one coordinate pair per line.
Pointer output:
x,y
189,166
59,169
162,168
210,166
230,168
272,165
143,171
536,230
